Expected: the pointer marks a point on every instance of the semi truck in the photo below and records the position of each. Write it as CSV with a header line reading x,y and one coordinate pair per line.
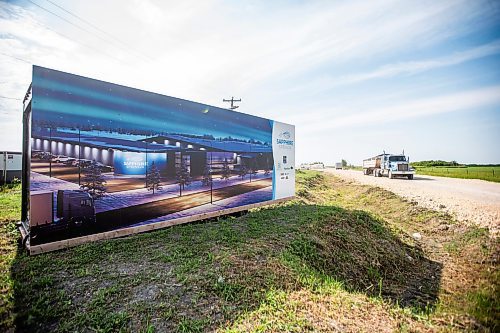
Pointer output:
x,y
75,208
389,165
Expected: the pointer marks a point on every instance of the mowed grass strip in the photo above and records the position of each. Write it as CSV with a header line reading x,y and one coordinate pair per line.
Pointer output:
x,y
489,173
338,258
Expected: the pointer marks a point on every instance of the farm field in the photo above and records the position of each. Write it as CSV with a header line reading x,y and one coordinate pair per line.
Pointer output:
x,y
339,258
489,173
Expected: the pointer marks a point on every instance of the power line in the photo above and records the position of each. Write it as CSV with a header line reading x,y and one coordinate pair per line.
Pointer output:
x,y
66,37
83,44
17,99
14,57
72,23
64,19
99,29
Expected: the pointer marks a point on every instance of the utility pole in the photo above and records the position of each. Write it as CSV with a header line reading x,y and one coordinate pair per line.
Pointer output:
x,y
232,100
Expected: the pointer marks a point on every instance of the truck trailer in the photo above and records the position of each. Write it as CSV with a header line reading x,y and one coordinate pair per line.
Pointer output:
x,y
389,165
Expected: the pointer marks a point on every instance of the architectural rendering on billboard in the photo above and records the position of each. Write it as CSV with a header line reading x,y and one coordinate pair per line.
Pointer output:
x,y
105,157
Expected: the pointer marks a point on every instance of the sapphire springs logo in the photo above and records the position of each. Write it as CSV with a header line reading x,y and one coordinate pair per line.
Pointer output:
x,y
284,139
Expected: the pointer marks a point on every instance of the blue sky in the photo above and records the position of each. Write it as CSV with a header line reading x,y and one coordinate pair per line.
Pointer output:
x,y
355,77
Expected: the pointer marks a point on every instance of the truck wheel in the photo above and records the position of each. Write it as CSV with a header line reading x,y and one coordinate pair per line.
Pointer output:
x,y
410,177
374,172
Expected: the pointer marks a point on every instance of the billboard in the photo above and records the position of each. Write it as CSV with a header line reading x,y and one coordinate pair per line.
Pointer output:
x,y
105,158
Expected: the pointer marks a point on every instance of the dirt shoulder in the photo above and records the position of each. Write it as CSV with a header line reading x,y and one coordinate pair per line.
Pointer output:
x,y
469,200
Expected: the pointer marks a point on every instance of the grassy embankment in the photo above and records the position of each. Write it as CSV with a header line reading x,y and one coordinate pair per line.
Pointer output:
x,y
339,257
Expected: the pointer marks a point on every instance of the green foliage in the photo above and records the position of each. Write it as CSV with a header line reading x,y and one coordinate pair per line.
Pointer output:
x,y
10,203
188,325
434,163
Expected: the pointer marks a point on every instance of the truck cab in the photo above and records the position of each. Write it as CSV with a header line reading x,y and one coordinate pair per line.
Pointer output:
x,y
397,165
75,207
390,165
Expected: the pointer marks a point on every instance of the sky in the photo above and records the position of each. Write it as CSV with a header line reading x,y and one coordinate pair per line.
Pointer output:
x,y
354,77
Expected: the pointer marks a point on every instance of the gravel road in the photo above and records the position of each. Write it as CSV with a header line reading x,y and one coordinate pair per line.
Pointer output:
x,y
470,200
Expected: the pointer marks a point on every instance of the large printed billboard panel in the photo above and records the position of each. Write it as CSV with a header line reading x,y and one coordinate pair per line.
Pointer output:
x,y
106,157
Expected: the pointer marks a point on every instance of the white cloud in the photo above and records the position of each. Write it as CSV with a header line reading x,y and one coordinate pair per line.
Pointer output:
x,y
459,101
272,54
406,68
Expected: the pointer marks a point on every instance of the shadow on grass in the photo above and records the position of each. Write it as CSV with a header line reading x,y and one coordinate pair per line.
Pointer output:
x,y
202,276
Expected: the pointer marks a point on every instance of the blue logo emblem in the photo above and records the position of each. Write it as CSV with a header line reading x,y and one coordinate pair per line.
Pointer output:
x,y
284,139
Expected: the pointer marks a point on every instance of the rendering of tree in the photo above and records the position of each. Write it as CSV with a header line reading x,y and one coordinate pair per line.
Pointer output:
x,y
182,175
153,179
226,172
207,179
243,172
267,167
344,163
253,168
93,181
207,175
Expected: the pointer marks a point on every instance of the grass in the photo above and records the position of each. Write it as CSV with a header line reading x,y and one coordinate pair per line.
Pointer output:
x,y
338,257
489,173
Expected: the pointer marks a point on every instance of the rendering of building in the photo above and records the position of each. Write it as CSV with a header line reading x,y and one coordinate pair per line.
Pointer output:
x,y
128,157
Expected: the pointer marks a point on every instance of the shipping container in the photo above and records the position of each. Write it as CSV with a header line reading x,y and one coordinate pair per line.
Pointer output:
x,y
11,167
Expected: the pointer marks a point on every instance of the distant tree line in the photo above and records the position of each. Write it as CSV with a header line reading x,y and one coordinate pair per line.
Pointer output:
x,y
483,165
436,163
